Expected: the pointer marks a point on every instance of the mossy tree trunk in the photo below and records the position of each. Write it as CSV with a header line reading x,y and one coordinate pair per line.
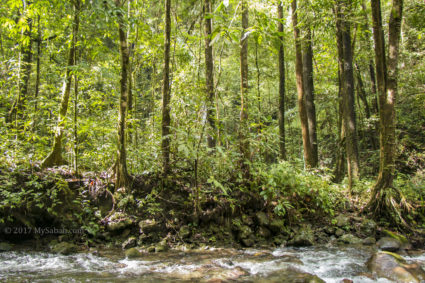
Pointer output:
x,y
282,146
55,156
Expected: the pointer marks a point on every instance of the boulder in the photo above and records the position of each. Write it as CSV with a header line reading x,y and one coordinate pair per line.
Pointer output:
x,y
304,237
118,221
133,253
5,247
64,248
129,243
368,227
247,220
389,244
150,225
349,239
369,241
262,219
291,275
393,267
162,246
184,232
263,232
277,225
339,232
342,221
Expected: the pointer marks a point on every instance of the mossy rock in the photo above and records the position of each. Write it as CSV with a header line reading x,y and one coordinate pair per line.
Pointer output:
x,y
129,243
184,232
262,219
389,244
304,237
64,248
402,239
133,253
349,239
5,247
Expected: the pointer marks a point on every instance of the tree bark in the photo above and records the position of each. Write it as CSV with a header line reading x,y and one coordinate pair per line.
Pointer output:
x,y
244,129
308,154
309,95
282,146
387,89
166,120
55,156
121,172
209,75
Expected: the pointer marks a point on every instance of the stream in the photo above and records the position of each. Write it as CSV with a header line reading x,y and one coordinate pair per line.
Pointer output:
x,y
331,264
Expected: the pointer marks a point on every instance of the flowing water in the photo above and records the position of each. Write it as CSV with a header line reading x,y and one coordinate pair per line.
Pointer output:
x,y
332,264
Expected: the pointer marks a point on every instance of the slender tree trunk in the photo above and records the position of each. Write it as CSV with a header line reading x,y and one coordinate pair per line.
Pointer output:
x,y
371,64
37,79
244,129
308,154
362,92
387,89
340,158
121,173
309,95
55,156
209,75
166,120
282,146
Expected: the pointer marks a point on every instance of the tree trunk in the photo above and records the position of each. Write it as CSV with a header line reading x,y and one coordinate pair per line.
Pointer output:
x,y
362,92
309,95
371,65
55,156
209,75
121,172
282,147
244,129
308,154
166,120
37,79
387,89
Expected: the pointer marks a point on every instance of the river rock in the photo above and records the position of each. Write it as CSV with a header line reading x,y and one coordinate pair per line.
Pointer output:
x,y
150,225
118,221
368,227
162,246
264,232
129,243
369,241
5,247
349,239
133,253
389,244
64,248
342,221
277,225
184,232
393,267
304,237
262,219
339,232
291,275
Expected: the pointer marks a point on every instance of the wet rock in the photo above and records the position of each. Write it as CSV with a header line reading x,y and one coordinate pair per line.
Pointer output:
x,y
349,239
129,243
5,247
133,253
277,225
369,241
64,248
262,219
247,220
264,232
346,280
162,246
150,225
330,230
342,221
118,221
248,242
304,237
184,232
368,227
389,244
393,267
339,232
291,275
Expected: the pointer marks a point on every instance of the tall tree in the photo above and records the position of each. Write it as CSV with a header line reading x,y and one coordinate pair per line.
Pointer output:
x,y
209,73
309,95
351,140
55,156
282,147
121,172
166,96
308,154
387,89
243,131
